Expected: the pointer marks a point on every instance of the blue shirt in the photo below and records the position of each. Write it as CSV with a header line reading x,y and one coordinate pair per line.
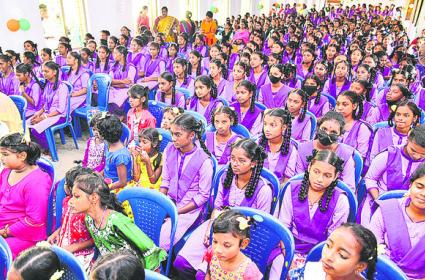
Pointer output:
x,y
113,159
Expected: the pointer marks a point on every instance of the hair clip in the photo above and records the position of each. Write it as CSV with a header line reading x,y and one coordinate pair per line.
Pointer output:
x,y
57,275
43,244
243,223
160,137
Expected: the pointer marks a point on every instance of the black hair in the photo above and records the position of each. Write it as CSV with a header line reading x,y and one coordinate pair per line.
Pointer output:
x,y
332,116
404,90
319,86
126,38
408,72
372,71
6,58
183,62
114,39
328,157
13,54
417,135
32,57
186,39
262,56
310,50
77,56
419,172
33,45
139,91
369,251
48,51
122,50
110,128
220,66
73,173
209,83
153,136
88,52
95,119
286,119
412,106
37,263
106,32
304,99
255,153
348,70
94,183
230,112
198,68
25,68
188,123
209,14
55,67
16,143
246,68
229,222
171,79
66,45
172,45
252,88
355,99
367,86
120,265
108,52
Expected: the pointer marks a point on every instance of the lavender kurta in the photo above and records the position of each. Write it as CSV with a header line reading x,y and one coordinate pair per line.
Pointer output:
x,y
34,91
331,88
272,99
259,79
385,137
8,84
189,84
301,131
78,81
358,137
118,95
371,113
221,151
229,92
252,121
278,163
196,106
180,100
321,108
61,60
152,69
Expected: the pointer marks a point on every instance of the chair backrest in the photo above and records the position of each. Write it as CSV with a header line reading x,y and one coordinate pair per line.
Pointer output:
x,y
224,101
68,106
313,121
60,196
103,82
238,129
150,208
331,99
198,117
166,138
379,125
265,236
5,258
21,104
156,108
65,68
72,267
358,161
152,275
185,91
392,194
47,166
125,135
422,118
260,106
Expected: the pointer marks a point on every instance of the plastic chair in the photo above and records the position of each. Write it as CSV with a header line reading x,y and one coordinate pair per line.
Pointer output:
x,y
152,275
260,106
422,119
5,258
238,129
50,132
125,135
331,99
198,117
60,196
65,68
156,108
185,91
47,166
392,194
103,82
72,267
150,208
21,104
224,101
313,124
166,138
379,125
358,161
265,236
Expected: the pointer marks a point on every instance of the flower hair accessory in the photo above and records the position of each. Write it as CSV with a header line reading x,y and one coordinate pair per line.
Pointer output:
x,y
243,223
43,244
160,137
57,275
175,110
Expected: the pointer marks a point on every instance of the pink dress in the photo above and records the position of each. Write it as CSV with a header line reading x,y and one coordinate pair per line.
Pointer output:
x,y
94,156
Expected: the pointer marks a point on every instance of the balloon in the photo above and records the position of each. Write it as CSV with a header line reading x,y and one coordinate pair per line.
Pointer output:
x,y
25,24
13,25
260,6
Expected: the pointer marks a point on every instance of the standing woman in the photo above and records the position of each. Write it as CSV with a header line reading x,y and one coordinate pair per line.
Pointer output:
x,y
63,49
8,81
30,88
275,93
317,103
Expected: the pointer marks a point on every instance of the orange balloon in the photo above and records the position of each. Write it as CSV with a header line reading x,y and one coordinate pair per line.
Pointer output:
x,y
13,25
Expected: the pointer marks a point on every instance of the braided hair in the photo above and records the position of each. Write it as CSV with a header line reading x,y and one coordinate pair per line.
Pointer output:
x,y
122,50
31,57
254,153
229,111
310,50
372,72
286,119
304,99
198,68
355,100
26,68
55,67
325,156
183,63
251,88
220,66
225,57
171,79
33,46
209,83
412,106
319,88
152,135
246,68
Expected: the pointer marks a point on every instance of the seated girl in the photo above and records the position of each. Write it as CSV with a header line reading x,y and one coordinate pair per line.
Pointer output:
x,y
199,45
169,114
63,50
94,155
339,81
86,59
370,110
274,94
240,71
150,67
395,95
30,88
183,80
258,74
194,68
183,45
218,74
103,61
296,104
167,91
318,104
305,68
8,81
135,54
170,57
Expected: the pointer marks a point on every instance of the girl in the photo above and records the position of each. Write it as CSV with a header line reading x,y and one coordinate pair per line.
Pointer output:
x,y
205,99
395,95
151,67
30,58
135,54
370,111
199,45
218,73
78,77
126,266
239,72
73,235
30,88
401,121
307,64
296,104
160,39
339,81
169,114
276,141
94,156
289,76
183,80
356,57
275,93
167,91
317,103
367,73
195,68
258,74
55,104
230,235
348,251
331,52
123,75
63,50
46,55
86,60
15,58
213,53
312,203
92,46
24,207
124,40
102,64
8,81
184,46
357,133
249,115
109,228
330,128
30,46
171,56
112,43
220,141
399,226
186,176
321,70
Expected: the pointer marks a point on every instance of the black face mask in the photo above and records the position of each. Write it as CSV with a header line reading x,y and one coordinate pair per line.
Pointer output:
x,y
274,79
309,89
326,139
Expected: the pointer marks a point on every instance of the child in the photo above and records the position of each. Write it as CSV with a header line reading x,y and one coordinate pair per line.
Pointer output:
x,y
135,54
171,56
151,66
121,265
296,104
289,76
94,156
370,111
30,88
78,77
183,45
195,68
118,158
321,70
312,207
368,74
357,133
102,64
249,115
240,71
8,82
169,114
86,59
275,93
138,117
399,226
147,160
183,80
73,235
167,91
186,175
305,68
258,74
276,141
199,45
318,104
339,81
348,251
218,73
220,141
23,206
63,50
205,99
396,94
110,229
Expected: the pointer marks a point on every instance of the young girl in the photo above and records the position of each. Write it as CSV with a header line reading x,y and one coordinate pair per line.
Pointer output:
x,y
205,99
138,117
321,70
102,64
357,133
30,58
184,46
183,80
167,91
30,88
395,95
199,45
356,57
306,67
366,73
46,55
218,73
317,103
339,81
170,56
195,68
312,207
94,156
296,104
23,206
151,67
348,251
169,114
258,74
63,50
276,141
240,71
370,111
160,39
121,265
289,76
135,54
30,46
399,225
86,59
109,228
401,121
213,53
118,158
331,51
73,235
8,82
220,141
78,77
274,93
186,175
249,115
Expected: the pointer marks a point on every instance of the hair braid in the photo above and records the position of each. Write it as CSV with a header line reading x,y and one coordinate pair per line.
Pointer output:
x,y
303,193
284,148
328,194
360,109
229,177
173,92
255,176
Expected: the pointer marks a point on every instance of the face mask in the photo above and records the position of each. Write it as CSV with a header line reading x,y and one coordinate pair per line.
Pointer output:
x,y
309,89
274,79
326,139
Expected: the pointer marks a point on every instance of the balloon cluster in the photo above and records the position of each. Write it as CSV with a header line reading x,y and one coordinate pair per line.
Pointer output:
x,y
276,5
214,9
14,24
260,6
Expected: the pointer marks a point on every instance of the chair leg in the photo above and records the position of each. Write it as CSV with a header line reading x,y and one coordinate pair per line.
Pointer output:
x,y
62,134
52,145
74,137
77,126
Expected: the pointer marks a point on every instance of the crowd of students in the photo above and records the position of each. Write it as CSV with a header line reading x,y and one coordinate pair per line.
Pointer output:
x,y
350,68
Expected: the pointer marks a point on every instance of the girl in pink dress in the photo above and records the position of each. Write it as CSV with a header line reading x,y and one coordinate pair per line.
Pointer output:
x,y
94,156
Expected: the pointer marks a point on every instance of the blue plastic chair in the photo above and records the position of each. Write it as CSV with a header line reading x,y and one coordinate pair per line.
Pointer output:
x,y
224,101
72,267
379,125
331,99
185,91
21,104
156,108
65,68
150,208
152,275
313,124
47,166
166,138
50,132
198,117
60,196
238,129
103,82
5,258
422,119
358,160
260,106
265,236
385,268
392,194
125,135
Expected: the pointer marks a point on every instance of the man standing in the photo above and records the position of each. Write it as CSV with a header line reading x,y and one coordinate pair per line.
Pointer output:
x,y
166,24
